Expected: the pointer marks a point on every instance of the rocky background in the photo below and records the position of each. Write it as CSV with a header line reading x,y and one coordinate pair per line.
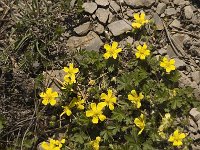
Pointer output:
x,y
177,26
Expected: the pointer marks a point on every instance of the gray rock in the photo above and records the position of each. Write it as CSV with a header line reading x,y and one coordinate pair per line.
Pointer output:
x,y
158,22
165,1
102,2
170,11
193,130
114,6
119,27
195,76
195,136
175,23
102,15
188,11
129,40
179,2
99,28
197,147
111,18
170,52
139,3
179,63
90,7
162,51
195,114
82,29
193,124
179,39
161,8
89,42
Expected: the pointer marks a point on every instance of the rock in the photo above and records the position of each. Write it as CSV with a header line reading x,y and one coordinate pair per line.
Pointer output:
x,y
102,15
195,76
170,52
139,3
195,147
82,29
179,39
175,23
165,1
89,42
158,22
188,11
111,18
50,75
193,130
195,114
162,51
161,8
119,27
179,2
114,6
129,40
102,2
1,9
179,63
90,7
193,124
195,136
99,28
170,11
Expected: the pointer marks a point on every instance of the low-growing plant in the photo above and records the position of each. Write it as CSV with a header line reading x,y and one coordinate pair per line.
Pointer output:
x,y
112,101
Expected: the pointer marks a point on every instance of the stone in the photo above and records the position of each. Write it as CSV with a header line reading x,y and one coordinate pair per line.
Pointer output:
x,y
188,11
140,3
170,51
175,23
170,11
162,51
129,40
195,147
90,7
158,22
102,15
53,77
89,42
195,136
179,2
111,18
193,130
114,6
165,1
161,8
99,28
102,2
179,63
179,39
195,114
193,124
119,27
195,76
82,29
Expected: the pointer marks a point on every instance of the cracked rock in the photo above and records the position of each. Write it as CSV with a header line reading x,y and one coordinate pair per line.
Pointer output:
x,y
99,28
82,29
170,11
195,76
119,27
114,6
188,11
102,15
139,3
195,114
90,7
102,2
161,8
175,23
89,42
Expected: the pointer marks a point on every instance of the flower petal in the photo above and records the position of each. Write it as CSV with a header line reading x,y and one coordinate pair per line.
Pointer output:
x,y
106,55
114,45
111,106
95,120
45,101
89,113
52,102
107,47
136,16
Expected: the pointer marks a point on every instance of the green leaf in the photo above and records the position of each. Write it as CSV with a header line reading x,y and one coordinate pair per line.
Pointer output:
x,y
118,115
139,75
125,82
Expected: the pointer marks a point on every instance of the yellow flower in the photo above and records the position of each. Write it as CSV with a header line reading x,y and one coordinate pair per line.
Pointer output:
x,y
139,122
135,98
177,138
96,112
109,99
95,143
79,102
142,51
168,64
49,97
111,51
68,80
139,20
67,109
52,144
71,71
91,82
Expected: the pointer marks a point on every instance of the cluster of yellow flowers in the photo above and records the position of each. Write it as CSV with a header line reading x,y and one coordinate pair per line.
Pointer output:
x,y
52,144
95,111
